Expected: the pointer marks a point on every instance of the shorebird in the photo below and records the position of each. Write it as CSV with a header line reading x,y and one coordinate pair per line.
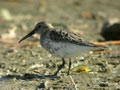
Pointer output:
x,y
61,43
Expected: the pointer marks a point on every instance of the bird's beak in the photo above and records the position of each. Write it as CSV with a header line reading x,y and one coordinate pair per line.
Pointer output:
x,y
28,35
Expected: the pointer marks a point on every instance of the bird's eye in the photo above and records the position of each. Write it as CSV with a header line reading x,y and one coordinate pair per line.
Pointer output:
x,y
39,25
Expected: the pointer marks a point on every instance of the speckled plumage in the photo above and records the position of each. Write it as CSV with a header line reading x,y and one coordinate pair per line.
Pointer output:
x,y
60,42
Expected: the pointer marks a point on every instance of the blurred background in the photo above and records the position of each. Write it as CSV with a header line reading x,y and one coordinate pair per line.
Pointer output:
x,y
22,65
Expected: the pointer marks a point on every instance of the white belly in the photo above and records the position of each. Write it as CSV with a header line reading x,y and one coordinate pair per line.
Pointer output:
x,y
66,49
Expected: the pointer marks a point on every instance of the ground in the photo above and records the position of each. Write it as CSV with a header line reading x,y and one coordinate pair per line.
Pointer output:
x,y
24,67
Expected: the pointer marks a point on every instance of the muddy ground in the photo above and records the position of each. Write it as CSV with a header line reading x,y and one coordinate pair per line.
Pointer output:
x,y
25,67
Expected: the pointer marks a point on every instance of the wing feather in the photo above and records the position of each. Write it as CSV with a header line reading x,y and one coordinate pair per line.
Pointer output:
x,y
64,36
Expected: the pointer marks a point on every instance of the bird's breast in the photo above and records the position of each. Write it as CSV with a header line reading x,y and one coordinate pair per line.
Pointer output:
x,y
63,49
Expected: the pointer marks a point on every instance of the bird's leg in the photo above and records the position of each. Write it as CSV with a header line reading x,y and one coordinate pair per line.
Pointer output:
x,y
69,66
61,66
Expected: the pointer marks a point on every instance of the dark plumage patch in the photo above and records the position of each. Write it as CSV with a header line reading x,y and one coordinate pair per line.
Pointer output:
x,y
59,35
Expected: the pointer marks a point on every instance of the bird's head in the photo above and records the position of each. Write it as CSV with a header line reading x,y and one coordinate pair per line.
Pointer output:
x,y
40,28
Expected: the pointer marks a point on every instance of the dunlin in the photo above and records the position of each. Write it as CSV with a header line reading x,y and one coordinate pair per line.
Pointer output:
x,y
61,43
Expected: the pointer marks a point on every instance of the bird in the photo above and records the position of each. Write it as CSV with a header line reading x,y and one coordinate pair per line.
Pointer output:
x,y
62,43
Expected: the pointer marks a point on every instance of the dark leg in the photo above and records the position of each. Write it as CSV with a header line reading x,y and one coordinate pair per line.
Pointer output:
x,y
69,66
61,66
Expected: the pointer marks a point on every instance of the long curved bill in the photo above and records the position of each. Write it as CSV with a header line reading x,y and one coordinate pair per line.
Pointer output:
x,y
27,36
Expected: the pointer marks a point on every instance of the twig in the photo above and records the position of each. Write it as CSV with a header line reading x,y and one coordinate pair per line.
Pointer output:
x,y
23,45
7,41
73,82
107,43
30,44
106,51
